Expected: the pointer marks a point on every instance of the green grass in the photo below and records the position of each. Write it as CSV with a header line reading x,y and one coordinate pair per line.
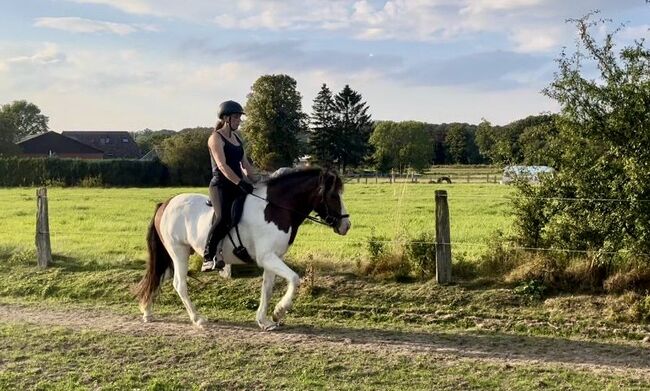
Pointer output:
x,y
110,224
99,252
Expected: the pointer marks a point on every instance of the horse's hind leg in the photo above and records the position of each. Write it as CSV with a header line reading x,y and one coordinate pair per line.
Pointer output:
x,y
267,290
276,265
180,256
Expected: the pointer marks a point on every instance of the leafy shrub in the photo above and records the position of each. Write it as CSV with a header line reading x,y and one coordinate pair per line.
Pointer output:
x,y
92,181
421,253
533,289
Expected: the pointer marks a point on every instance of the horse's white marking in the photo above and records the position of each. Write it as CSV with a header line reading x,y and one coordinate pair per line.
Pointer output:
x,y
345,224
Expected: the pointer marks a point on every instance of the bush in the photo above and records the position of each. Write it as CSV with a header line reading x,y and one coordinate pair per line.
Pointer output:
x,y
596,203
384,261
92,181
421,253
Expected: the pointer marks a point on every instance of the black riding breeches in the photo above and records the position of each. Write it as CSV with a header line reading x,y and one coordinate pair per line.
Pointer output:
x,y
222,198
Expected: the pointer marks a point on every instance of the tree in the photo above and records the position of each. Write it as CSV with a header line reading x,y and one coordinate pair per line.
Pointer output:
x,y
7,135
539,145
148,139
604,131
457,141
401,145
26,117
322,140
353,128
187,157
274,122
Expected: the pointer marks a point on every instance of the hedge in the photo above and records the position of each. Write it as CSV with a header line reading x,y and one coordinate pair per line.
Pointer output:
x,y
22,171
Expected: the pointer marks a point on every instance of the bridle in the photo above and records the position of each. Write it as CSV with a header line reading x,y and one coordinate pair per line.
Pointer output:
x,y
331,219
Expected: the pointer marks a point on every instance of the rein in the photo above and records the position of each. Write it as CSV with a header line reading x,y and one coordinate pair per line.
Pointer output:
x,y
308,217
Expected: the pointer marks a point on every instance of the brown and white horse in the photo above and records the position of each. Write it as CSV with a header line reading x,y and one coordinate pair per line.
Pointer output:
x,y
268,226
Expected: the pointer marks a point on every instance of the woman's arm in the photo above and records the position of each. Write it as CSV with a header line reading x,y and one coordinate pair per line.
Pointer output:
x,y
249,170
215,144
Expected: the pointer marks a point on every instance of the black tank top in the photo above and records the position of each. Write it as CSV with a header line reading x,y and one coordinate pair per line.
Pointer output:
x,y
234,155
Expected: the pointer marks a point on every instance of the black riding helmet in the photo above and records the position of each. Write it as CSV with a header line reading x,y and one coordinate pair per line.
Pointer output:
x,y
229,107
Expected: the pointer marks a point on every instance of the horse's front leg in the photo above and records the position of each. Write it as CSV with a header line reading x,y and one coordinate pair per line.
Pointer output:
x,y
267,290
276,265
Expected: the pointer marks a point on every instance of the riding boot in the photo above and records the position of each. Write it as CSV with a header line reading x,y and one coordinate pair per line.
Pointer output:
x,y
212,260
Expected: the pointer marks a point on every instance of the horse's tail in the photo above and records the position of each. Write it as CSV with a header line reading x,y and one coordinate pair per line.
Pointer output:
x,y
159,262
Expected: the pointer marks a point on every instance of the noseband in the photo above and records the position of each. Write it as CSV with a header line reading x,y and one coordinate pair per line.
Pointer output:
x,y
330,219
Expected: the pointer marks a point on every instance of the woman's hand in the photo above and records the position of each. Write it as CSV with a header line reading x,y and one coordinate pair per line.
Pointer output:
x,y
245,187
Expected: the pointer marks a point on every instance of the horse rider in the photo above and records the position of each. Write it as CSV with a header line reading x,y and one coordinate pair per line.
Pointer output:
x,y
232,176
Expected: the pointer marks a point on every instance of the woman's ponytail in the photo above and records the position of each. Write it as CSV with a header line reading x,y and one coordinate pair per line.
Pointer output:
x,y
219,124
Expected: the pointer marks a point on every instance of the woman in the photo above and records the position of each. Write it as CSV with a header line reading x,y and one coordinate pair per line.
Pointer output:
x,y
232,175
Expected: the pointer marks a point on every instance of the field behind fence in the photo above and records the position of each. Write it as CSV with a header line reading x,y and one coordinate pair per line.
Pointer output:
x,y
110,224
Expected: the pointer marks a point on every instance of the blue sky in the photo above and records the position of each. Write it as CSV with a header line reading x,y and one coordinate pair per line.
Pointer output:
x,y
133,64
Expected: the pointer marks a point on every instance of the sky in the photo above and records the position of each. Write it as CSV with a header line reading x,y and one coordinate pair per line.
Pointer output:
x,y
135,64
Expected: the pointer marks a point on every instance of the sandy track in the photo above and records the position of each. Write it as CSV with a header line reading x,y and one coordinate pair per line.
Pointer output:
x,y
631,358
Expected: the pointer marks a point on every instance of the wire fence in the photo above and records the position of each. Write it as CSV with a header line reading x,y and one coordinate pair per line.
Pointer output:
x,y
399,198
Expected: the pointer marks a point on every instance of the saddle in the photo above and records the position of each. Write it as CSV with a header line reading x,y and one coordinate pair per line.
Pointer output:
x,y
236,212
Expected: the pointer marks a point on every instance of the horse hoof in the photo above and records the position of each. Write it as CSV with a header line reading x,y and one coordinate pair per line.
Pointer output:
x,y
271,327
278,315
147,318
201,322
268,326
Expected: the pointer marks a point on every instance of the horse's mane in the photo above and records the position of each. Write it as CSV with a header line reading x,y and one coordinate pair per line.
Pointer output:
x,y
293,173
300,174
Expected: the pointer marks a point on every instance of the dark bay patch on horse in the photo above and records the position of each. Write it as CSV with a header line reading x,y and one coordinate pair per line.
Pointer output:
x,y
293,195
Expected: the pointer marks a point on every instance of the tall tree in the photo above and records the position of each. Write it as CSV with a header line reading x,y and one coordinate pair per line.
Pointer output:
x,y
275,123
187,157
27,118
148,139
457,141
353,127
322,140
401,145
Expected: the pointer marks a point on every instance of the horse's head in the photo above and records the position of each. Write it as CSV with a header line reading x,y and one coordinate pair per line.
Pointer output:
x,y
329,204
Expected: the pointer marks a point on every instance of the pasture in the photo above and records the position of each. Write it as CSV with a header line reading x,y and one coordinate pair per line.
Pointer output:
x,y
75,325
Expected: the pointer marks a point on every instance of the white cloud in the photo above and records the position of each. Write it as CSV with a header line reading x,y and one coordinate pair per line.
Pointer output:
x,y
540,39
81,25
636,32
530,24
49,54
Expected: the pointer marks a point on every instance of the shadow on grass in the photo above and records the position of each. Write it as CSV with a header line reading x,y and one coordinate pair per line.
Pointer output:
x,y
502,347
492,346
73,264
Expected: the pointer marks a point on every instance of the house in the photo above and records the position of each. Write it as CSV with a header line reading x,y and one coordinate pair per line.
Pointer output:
x,y
53,144
115,144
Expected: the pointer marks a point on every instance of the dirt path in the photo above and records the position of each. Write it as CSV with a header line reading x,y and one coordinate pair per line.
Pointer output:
x,y
633,359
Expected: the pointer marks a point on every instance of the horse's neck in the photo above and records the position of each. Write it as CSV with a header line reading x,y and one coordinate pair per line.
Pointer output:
x,y
298,198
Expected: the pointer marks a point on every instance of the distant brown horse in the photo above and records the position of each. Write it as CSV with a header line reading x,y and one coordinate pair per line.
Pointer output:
x,y
268,226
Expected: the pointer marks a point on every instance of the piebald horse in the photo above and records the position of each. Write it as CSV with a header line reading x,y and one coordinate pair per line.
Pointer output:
x,y
268,226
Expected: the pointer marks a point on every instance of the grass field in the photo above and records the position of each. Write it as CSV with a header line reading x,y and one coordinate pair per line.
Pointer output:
x,y
110,224
75,325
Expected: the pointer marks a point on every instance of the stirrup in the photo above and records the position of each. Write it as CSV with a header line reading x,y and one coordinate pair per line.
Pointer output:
x,y
216,263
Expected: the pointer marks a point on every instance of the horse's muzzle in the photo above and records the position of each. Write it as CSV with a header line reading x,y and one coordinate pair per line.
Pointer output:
x,y
344,226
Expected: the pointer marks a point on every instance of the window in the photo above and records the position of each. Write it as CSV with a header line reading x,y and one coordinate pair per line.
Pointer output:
x,y
125,140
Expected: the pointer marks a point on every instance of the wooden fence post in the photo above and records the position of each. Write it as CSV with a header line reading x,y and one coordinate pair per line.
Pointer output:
x,y
443,239
43,249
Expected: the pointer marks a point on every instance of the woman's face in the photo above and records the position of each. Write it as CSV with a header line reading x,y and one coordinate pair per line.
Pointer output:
x,y
235,120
